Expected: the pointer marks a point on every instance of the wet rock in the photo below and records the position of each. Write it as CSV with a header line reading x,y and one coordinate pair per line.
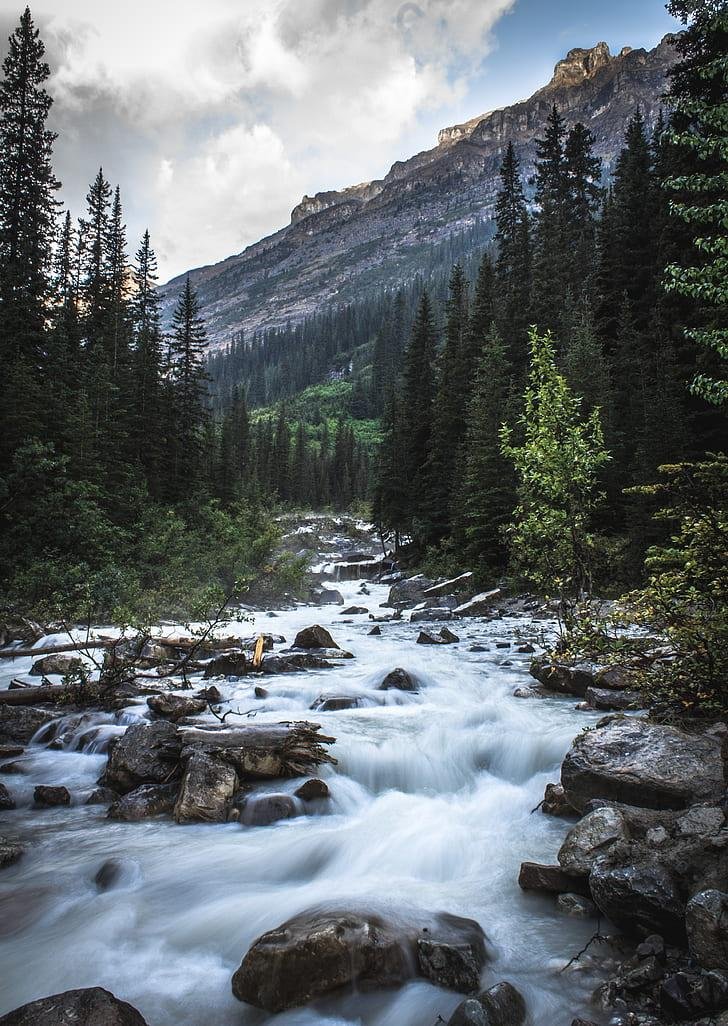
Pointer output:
x,y
326,597
312,790
154,652
174,707
468,1013
143,802
643,764
479,605
554,802
19,628
274,664
503,1005
308,661
320,951
564,678
60,664
10,852
428,638
148,753
6,799
107,874
687,995
260,692
354,611
615,678
577,906
479,648
264,809
640,900
46,795
334,703
604,698
264,751
206,791
700,819
90,1006
550,879
20,722
448,636
527,692
375,631
209,694
314,637
706,922
400,680
407,593
10,751
102,796
590,838
526,649
227,664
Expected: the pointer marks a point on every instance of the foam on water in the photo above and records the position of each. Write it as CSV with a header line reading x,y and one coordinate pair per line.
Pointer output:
x,y
431,806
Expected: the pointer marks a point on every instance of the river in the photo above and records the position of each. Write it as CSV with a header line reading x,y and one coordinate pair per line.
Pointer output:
x,y
431,806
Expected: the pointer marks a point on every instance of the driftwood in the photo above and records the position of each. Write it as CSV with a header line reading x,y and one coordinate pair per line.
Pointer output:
x,y
71,646
266,750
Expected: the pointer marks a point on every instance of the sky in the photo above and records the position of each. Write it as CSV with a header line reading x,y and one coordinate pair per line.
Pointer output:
x,y
215,117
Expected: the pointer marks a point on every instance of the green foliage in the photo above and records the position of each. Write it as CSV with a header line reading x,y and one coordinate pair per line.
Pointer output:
x,y
557,467
685,599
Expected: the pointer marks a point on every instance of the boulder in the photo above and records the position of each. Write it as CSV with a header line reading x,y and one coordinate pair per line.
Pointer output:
x,y
549,879
308,661
526,648
263,809
7,801
590,838
478,605
264,751
640,899
91,1006
102,796
334,703
610,700
399,679
326,597
143,802
643,764
563,678
454,585
312,790
260,692
49,796
554,801
174,707
503,1005
428,638
407,593
354,611
577,906
60,664
615,678
10,751
227,664
274,664
468,1013
10,852
107,874
206,791
148,753
448,636
322,950
21,722
431,615
375,631
706,922
314,637
687,995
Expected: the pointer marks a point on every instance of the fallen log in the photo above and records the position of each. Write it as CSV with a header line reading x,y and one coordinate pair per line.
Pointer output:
x,y
267,750
32,696
71,646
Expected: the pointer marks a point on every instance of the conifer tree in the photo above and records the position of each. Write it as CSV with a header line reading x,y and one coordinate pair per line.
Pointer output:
x,y
513,266
550,239
146,433
584,198
187,346
417,394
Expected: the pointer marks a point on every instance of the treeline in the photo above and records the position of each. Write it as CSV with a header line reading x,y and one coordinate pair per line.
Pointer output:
x,y
586,263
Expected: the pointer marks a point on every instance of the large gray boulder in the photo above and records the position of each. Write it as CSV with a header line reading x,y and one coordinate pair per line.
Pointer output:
x,y
55,664
21,722
643,764
408,593
314,637
533,876
206,791
501,1005
264,809
143,802
10,851
175,707
322,950
399,680
148,753
640,899
91,1006
564,678
591,838
706,922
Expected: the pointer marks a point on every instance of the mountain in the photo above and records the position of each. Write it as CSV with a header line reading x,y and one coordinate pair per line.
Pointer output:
x,y
340,244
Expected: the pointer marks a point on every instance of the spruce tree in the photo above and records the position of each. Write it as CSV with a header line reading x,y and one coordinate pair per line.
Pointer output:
x,y
147,436
188,342
513,266
417,394
551,254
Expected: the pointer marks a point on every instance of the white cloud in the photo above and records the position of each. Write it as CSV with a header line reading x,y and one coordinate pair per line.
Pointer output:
x,y
216,117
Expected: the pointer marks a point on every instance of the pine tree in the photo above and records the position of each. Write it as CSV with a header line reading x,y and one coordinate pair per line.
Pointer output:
x,y
485,497
27,229
417,394
551,255
584,196
147,438
187,346
699,130
513,267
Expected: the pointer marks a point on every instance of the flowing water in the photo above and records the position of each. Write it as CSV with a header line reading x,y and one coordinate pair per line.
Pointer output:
x,y
431,806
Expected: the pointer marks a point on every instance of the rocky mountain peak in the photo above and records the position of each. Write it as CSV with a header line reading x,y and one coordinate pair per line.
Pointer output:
x,y
581,63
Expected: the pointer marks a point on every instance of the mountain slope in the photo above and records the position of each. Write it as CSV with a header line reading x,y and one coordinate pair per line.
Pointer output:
x,y
339,244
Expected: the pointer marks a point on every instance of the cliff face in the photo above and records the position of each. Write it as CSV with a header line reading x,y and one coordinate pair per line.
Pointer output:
x,y
339,243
